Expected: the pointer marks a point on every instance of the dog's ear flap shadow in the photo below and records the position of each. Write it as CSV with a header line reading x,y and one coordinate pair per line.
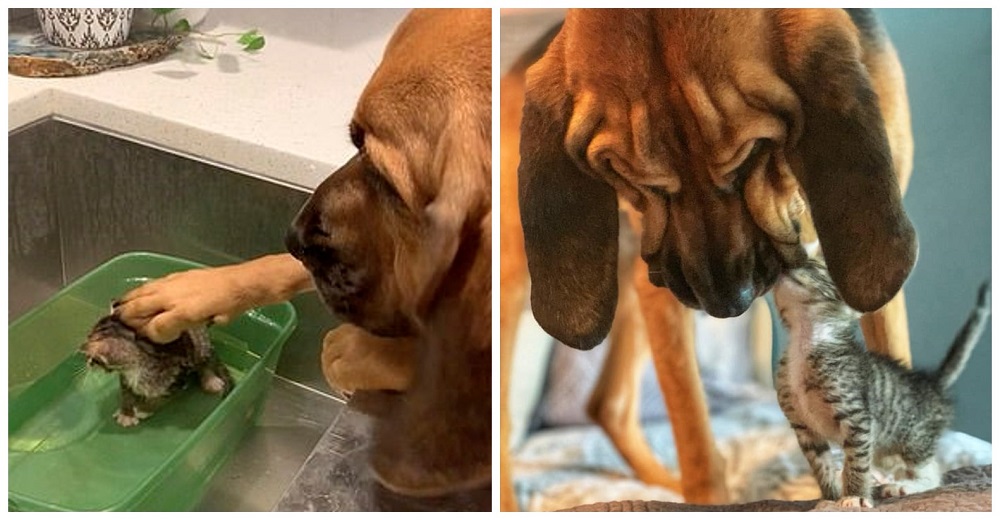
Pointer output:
x,y
570,223
846,171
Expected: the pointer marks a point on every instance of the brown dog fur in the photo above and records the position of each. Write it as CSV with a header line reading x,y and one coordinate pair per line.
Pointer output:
x,y
398,242
825,94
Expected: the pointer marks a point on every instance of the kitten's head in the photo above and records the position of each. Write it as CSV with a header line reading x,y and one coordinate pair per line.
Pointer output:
x,y
111,345
808,292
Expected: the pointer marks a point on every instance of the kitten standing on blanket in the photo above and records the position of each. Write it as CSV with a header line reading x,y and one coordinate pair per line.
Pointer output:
x,y
832,389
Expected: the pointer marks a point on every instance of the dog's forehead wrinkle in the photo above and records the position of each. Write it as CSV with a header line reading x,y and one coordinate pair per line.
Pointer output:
x,y
395,167
718,108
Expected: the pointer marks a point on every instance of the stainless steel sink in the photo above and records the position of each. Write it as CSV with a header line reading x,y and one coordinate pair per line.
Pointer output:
x,y
78,197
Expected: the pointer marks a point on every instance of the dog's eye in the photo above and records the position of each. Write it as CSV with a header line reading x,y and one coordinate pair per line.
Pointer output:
x,y
737,177
357,135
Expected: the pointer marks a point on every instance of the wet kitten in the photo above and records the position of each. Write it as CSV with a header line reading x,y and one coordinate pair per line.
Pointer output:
x,y
150,372
832,389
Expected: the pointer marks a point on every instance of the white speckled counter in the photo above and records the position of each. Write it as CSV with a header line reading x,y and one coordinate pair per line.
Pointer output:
x,y
281,113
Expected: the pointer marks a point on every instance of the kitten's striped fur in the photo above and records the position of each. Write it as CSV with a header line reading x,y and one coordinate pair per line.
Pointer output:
x,y
832,389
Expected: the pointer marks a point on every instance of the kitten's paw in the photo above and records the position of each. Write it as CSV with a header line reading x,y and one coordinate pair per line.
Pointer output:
x,y
854,502
126,420
891,490
213,384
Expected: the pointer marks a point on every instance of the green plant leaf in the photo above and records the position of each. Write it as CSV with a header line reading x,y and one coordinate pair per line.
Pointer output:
x,y
247,37
161,11
182,25
255,44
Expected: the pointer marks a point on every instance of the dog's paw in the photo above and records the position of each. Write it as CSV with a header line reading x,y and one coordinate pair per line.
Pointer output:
x,y
353,359
854,502
126,420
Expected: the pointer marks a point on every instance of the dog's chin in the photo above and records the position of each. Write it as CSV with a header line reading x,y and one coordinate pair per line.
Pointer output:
x,y
354,308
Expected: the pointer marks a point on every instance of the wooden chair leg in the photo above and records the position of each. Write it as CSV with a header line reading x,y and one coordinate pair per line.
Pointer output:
x,y
886,330
670,327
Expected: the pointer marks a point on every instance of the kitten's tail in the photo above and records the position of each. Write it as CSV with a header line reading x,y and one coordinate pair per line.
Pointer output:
x,y
961,348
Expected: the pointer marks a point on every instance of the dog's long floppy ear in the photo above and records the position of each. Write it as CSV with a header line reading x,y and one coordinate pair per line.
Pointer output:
x,y
570,222
451,219
846,170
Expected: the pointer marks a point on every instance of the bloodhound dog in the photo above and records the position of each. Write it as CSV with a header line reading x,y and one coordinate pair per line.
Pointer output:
x,y
739,142
398,242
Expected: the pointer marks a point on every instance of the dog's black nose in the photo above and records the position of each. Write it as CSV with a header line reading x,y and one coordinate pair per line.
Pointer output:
x,y
732,304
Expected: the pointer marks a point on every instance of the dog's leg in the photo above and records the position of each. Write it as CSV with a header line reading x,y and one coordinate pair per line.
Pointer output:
x,y
761,342
614,402
670,327
513,283
511,305
354,359
513,266
886,330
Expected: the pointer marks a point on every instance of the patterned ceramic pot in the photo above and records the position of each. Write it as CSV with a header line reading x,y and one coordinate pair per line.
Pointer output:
x,y
85,28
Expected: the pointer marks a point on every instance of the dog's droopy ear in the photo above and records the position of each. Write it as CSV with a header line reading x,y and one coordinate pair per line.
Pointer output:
x,y
570,222
845,169
450,220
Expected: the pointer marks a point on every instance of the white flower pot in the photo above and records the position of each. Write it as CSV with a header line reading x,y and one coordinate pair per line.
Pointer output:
x,y
85,28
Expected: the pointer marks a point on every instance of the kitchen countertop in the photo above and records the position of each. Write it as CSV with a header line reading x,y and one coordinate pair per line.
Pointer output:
x,y
281,113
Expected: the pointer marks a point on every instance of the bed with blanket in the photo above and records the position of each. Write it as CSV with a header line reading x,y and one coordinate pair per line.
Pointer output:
x,y
562,461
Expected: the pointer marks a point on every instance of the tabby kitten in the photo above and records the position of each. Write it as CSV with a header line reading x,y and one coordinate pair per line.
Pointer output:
x,y
149,372
832,389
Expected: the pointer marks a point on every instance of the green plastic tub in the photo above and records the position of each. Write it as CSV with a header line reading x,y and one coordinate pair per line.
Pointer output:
x,y
65,450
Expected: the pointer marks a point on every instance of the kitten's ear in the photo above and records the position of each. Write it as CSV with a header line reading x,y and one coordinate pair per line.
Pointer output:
x,y
113,308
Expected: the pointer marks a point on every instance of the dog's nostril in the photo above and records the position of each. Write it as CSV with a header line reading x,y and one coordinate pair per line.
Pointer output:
x,y
730,305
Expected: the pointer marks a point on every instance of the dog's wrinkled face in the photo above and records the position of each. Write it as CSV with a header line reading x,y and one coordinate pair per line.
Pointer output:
x,y
719,126
710,248
381,234
347,235
698,170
